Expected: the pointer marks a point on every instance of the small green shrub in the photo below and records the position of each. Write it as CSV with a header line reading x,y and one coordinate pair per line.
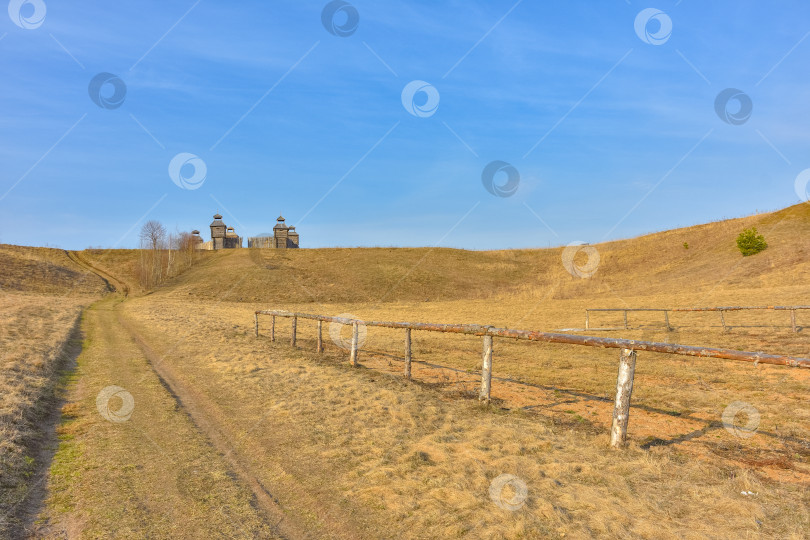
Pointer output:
x,y
686,245
750,242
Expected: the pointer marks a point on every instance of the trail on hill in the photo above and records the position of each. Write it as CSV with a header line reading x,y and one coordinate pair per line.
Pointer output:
x,y
113,284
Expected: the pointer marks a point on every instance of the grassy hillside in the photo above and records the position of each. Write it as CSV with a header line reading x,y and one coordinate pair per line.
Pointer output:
x,y
45,271
655,264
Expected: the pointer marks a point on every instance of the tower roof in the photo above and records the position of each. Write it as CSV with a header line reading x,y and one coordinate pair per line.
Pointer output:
x,y
280,218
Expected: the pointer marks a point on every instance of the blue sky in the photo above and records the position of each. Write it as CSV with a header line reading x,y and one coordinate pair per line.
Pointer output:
x,y
613,133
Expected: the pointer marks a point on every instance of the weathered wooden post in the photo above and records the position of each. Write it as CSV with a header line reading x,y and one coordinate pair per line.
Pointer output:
x,y
294,329
353,354
625,319
793,319
624,389
666,319
723,320
319,346
408,353
273,328
486,371
587,319
256,323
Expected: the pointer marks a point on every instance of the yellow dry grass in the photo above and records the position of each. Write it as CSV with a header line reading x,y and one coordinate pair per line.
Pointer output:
x,y
45,271
656,266
408,460
34,335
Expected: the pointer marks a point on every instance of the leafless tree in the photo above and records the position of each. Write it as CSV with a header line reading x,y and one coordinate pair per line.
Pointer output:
x,y
163,255
153,235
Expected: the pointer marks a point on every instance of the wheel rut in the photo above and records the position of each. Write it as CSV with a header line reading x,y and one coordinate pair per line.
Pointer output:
x,y
113,283
199,409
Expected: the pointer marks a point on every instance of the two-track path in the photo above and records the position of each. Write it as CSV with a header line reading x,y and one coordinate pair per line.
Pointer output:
x,y
165,470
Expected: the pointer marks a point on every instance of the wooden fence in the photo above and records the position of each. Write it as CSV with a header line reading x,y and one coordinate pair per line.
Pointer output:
x,y
722,310
627,359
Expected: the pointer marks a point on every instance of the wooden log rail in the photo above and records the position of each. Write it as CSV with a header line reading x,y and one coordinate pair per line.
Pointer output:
x,y
721,309
628,347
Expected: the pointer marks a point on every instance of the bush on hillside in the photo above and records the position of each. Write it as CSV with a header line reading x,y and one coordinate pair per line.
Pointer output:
x,y
750,242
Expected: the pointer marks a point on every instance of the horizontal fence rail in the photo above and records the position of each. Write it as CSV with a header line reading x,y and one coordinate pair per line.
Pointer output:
x,y
721,309
627,361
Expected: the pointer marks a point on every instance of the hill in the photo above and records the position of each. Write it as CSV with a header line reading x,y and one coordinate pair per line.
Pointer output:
x,y
651,265
46,271
654,264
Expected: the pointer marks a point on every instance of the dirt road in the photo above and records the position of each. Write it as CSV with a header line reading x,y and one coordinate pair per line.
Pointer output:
x,y
113,284
131,461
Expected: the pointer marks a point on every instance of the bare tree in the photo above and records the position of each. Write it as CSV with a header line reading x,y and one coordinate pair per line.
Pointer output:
x,y
163,255
153,235
153,240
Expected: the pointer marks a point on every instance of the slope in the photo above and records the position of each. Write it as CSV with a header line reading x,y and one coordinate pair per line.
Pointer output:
x,y
655,264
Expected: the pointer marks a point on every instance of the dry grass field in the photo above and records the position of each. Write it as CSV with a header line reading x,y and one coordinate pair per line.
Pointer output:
x,y
35,336
42,293
393,458
225,434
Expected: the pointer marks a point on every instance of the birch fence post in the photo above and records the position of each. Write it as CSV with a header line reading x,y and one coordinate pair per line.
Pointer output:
x,y
319,346
587,319
294,329
408,354
353,354
793,319
723,320
273,328
256,323
666,319
486,371
624,389
625,319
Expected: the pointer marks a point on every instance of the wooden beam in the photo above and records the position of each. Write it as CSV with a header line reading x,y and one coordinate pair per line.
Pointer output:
x,y
353,354
486,371
624,389
408,353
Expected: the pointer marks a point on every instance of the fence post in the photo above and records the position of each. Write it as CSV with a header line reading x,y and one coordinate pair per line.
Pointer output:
x,y
486,371
294,328
666,319
319,346
624,388
256,322
625,319
587,319
353,355
408,354
793,319
273,328
723,320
